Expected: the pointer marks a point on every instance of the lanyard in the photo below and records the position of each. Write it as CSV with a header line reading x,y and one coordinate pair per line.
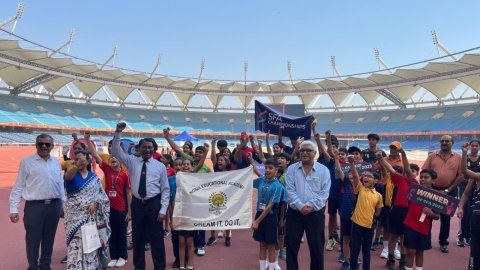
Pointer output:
x,y
114,182
265,187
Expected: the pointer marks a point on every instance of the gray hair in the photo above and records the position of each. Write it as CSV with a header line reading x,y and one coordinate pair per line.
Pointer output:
x,y
43,136
308,143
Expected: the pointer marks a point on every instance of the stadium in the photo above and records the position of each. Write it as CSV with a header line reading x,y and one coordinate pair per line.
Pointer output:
x,y
48,90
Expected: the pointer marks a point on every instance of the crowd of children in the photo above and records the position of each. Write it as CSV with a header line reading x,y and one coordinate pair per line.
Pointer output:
x,y
371,203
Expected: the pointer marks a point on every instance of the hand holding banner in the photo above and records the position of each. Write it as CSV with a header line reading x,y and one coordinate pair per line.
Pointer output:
x,y
433,199
213,201
270,120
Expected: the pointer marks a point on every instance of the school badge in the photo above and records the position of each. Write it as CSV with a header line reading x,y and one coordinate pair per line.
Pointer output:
x,y
217,201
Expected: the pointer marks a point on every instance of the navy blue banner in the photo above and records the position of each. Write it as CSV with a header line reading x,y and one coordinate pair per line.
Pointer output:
x,y
269,119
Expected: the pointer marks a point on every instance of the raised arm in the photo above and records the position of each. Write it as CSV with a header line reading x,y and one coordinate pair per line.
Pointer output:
x,y
353,170
321,149
213,155
168,137
280,132
255,168
338,168
385,165
261,156
238,150
117,151
91,148
267,142
202,159
252,142
328,137
406,165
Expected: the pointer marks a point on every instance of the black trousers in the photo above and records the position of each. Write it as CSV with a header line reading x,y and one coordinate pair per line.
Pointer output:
x,y
199,239
118,238
144,221
313,224
444,223
40,221
361,239
474,260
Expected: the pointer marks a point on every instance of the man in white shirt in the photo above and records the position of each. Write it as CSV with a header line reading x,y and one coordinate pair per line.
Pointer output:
x,y
40,184
308,186
151,196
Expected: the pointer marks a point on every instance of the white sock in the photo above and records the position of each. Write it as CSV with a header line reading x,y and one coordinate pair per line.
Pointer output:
x,y
419,267
262,264
277,253
409,268
385,245
271,266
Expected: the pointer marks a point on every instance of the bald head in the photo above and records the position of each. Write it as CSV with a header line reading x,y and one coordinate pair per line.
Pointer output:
x,y
446,143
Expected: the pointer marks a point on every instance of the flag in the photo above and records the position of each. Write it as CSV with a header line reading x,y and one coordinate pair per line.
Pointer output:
x,y
268,119
214,201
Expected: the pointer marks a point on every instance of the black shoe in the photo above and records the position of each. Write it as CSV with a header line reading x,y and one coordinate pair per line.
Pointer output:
x,y
64,259
391,264
461,241
444,248
212,240
228,241
130,246
375,245
336,238
176,264
467,241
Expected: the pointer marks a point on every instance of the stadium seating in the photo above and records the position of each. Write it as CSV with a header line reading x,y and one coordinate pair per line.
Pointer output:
x,y
65,114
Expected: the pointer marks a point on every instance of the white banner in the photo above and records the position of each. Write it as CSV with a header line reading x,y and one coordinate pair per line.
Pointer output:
x,y
214,201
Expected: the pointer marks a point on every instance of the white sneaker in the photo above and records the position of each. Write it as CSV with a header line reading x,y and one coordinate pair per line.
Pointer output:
x,y
112,263
277,267
121,262
397,254
384,254
201,251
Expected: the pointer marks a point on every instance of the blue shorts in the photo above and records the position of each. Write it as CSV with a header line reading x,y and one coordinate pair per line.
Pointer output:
x,y
333,206
395,220
384,214
415,240
345,226
187,233
267,231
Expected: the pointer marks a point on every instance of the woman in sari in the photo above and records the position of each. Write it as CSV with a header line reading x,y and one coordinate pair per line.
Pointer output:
x,y
86,201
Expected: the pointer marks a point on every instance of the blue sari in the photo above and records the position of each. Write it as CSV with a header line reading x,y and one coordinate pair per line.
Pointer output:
x,y
82,192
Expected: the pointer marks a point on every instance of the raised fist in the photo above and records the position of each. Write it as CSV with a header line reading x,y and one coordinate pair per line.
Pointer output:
x,y
121,126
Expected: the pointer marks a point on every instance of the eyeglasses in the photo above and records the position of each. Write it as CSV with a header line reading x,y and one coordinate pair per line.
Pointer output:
x,y
40,144
306,150
444,141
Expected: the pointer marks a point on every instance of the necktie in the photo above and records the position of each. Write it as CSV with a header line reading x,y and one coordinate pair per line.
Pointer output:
x,y
142,187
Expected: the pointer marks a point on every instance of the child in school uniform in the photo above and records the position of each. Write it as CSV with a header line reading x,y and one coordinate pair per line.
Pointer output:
x,y
186,238
369,204
172,182
418,225
265,225
401,178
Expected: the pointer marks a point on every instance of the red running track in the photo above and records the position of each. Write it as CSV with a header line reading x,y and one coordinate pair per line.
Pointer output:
x,y
243,254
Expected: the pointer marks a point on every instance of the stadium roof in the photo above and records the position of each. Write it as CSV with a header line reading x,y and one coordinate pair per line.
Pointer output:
x,y
23,69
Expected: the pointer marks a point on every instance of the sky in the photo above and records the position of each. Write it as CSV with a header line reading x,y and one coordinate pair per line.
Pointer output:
x,y
266,33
